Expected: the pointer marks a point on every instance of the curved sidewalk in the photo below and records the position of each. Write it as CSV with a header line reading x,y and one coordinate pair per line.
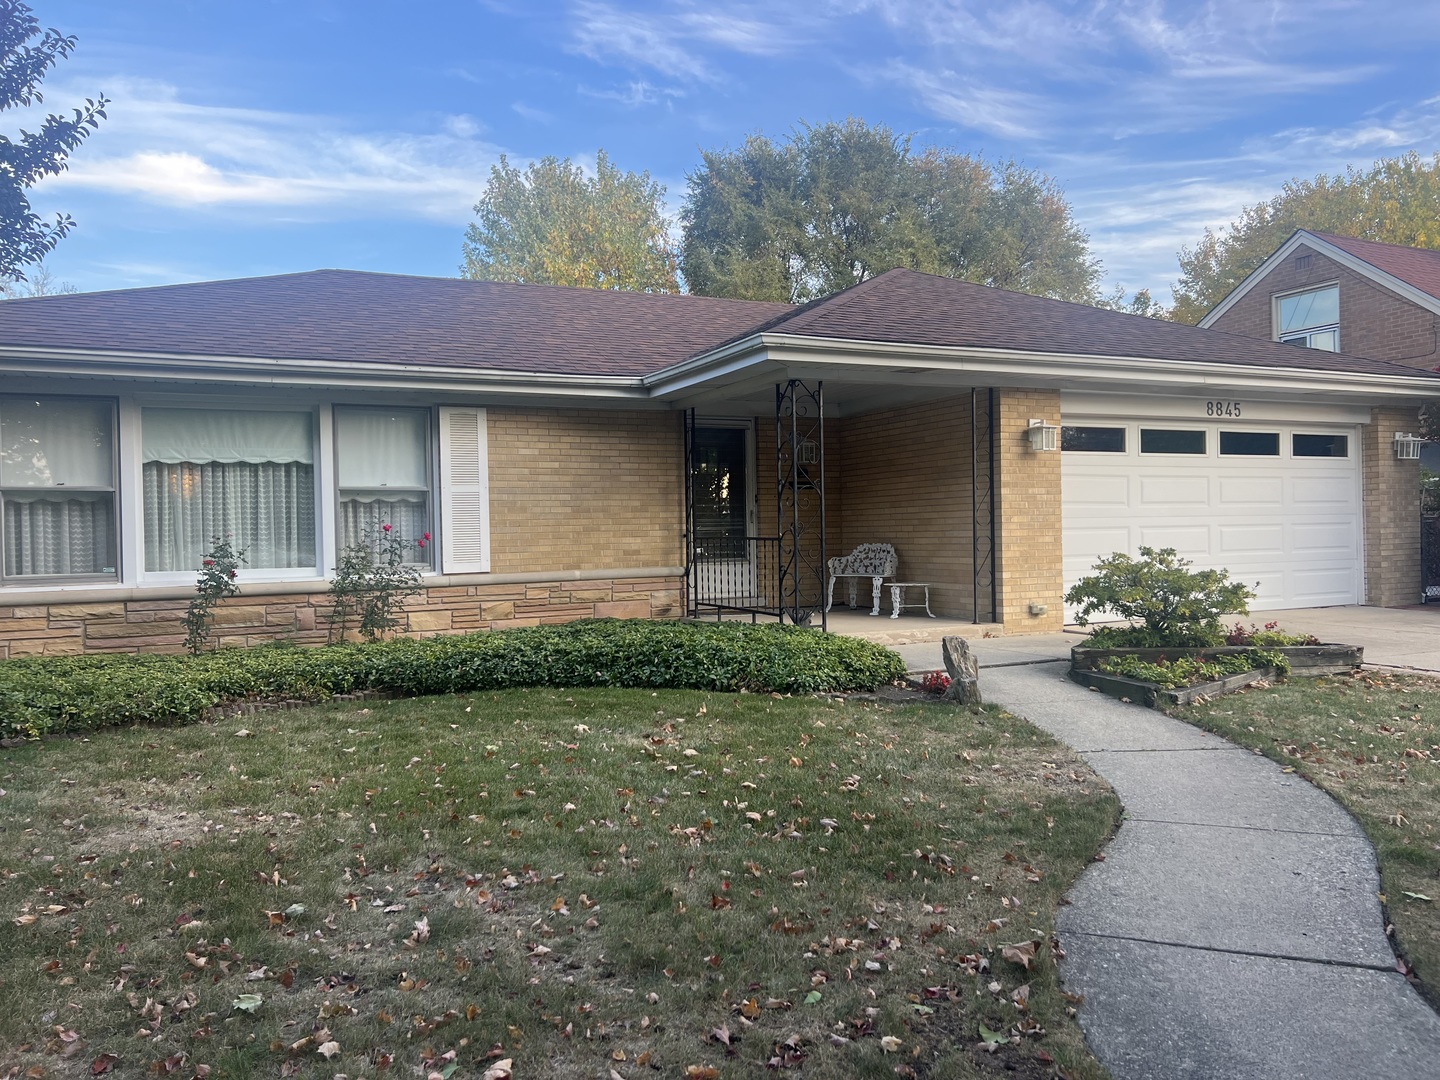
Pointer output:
x,y
1233,929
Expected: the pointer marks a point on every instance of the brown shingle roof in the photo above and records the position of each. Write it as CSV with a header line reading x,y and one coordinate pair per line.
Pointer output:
x,y
352,316
366,318
1414,266
905,307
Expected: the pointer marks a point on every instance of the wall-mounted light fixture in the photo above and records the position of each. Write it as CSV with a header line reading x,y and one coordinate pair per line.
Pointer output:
x,y
1044,436
1407,447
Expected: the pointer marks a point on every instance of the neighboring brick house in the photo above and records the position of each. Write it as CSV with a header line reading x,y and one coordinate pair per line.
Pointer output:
x,y
1346,295
1356,296
578,453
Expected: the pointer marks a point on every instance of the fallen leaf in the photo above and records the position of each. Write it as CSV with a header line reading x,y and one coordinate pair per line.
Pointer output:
x,y
248,1003
328,1049
501,1070
889,1044
103,1064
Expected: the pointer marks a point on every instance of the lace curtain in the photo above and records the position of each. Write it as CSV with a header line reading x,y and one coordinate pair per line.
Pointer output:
x,y
248,476
382,462
54,535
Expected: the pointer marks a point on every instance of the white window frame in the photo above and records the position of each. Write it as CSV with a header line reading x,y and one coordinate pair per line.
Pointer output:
x,y
134,519
429,565
10,584
1303,336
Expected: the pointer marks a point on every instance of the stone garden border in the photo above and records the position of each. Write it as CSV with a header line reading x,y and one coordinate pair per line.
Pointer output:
x,y
1306,661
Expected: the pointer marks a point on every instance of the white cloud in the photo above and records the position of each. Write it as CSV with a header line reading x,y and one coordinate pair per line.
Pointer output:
x,y
673,42
635,94
960,99
162,149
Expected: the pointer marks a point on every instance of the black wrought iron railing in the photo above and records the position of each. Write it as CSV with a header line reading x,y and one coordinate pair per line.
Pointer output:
x,y
1430,557
735,573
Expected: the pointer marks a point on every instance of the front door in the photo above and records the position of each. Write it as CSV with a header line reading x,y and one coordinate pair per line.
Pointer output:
x,y
723,482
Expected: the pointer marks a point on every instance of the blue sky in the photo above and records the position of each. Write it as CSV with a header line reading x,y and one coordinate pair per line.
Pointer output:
x,y
266,137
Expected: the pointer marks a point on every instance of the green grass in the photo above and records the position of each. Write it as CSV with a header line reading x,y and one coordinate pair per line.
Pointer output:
x,y
604,879
1372,741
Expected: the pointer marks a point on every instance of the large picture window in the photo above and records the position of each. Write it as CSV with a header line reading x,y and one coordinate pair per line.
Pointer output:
x,y
382,463
248,476
57,487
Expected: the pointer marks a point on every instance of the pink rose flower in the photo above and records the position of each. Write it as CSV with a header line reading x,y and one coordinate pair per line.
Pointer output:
x,y
386,527
425,536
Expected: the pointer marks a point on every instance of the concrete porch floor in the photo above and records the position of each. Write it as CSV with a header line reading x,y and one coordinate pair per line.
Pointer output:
x,y
908,629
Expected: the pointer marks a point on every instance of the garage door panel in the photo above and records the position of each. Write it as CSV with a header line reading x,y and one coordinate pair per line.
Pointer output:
x,y
1292,525
1317,588
1191,542
1332,490
1111,491
1251,491
1174,491
1252,539
1335,539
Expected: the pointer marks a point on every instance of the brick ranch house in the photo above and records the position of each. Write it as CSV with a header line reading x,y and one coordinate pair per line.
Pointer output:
x,y
581,453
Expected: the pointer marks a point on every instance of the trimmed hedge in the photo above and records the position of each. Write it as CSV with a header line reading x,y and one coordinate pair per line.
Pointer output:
x,y
55,694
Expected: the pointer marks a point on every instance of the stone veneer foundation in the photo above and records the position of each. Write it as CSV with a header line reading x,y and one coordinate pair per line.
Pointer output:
x,y
149,620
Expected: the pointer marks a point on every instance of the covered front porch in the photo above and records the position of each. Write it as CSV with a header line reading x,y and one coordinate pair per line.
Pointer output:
x,y
782,477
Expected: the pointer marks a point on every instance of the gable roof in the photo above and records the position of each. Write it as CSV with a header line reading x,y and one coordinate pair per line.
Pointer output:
x,y
906,307
358,317
1414,266
1413,273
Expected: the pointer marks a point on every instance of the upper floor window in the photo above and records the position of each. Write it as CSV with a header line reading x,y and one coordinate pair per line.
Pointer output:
x,y
1311,319
57,488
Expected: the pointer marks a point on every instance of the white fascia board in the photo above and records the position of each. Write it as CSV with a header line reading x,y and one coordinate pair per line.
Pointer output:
x,y
1329,250
1075,371
99,364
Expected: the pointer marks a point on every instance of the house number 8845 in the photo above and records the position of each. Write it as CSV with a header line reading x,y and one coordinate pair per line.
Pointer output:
x,y
1222,408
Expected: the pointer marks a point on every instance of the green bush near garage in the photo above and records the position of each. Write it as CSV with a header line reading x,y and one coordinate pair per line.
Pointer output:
x,y
41,696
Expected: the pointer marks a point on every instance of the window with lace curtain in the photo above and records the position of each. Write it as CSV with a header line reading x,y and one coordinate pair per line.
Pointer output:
x,y
57,488
382,467
245,475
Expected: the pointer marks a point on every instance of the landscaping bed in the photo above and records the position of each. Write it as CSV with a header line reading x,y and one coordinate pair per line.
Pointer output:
x,y
1160,697
562,882
1306,661
1372,740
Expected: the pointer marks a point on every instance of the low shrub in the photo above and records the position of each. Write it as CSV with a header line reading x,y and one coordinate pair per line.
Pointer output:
x,y
1174,605
56,694
1193,670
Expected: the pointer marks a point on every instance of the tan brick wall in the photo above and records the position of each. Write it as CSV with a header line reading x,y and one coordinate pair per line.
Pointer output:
x,y
1027,528
1392,512
255,618
904,479
574,489
1374,322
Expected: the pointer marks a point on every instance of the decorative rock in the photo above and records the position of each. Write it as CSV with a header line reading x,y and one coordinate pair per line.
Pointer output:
x,y
964,669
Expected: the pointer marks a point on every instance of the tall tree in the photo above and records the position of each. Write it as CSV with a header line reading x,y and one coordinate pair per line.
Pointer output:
x,y
1396,201
834,204
553,225
26,238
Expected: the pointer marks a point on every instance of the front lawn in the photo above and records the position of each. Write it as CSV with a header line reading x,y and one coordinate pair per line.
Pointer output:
x,y
1372,741
672,883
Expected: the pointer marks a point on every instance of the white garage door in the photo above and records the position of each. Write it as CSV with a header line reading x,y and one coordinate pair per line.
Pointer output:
x,y
1277,505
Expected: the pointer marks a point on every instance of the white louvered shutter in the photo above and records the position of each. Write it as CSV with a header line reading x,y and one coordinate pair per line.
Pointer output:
x,y
464,492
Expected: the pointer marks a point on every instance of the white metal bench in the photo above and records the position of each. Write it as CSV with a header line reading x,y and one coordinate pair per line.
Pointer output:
x,y
873,561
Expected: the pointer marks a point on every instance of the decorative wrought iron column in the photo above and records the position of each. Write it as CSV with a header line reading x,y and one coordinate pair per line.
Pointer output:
x,y
982,502
690,592
800,499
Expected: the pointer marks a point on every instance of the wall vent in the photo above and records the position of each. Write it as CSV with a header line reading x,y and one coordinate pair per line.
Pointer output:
x,y
1302,262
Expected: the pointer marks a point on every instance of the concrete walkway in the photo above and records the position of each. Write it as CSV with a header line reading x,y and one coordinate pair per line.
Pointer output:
x,y
1233,929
